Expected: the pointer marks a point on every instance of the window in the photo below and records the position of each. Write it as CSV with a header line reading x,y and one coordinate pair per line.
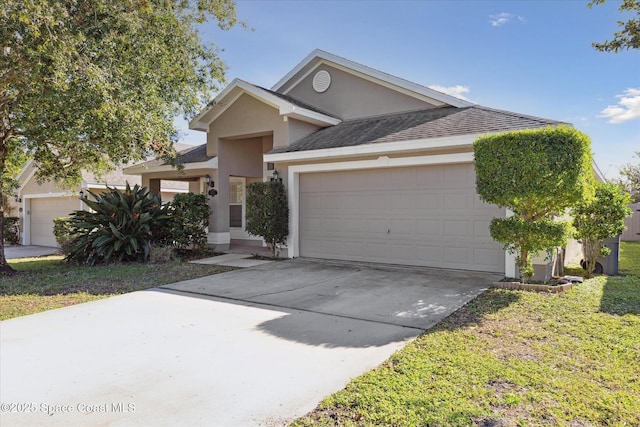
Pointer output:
x,y
236,202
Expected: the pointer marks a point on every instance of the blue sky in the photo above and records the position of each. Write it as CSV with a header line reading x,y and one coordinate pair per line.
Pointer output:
x,y
531,57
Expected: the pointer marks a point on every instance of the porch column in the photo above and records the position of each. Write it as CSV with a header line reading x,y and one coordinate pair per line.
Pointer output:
x,y
152,184
219,235
194,187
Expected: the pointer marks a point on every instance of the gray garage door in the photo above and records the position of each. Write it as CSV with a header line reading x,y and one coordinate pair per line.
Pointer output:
x,y
43,212
425,216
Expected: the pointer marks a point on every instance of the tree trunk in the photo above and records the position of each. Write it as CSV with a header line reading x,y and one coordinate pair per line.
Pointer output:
x,y
5,268
590,251
524,266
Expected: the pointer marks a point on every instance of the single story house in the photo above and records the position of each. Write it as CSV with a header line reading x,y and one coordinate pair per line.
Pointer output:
x,y
38,204
377,168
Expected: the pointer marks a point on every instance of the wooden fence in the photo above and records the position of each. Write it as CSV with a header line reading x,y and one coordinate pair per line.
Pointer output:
x,y
632,232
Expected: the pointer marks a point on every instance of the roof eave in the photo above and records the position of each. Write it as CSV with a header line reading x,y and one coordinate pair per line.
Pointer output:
x,y
142,169
380,148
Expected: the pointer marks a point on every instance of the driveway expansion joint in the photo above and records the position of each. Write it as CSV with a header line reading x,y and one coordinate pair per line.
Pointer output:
x,y
249,302
284,291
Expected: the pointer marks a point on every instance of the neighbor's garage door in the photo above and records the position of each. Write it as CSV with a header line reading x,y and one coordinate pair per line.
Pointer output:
x,y
43,212
425,216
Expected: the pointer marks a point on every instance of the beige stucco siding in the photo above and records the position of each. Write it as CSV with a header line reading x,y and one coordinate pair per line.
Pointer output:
x,y
350,96
247,117
299,129
33,187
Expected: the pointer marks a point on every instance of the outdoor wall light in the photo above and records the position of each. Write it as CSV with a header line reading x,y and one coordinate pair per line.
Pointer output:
x,y
82,195
212,192
17,198
276,176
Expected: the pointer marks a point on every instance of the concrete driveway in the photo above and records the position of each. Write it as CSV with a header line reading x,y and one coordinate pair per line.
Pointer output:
x,y
29,251
258,346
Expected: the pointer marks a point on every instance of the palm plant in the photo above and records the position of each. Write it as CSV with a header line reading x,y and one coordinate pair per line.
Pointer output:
x,y
121,226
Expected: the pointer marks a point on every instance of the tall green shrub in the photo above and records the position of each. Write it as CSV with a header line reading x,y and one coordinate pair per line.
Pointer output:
x,y
267,213
120,226
189,222
537,174
63,231
11,230
599,218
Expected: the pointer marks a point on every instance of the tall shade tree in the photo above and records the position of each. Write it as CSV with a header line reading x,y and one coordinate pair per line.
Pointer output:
x,y
537,175
629,35
90,84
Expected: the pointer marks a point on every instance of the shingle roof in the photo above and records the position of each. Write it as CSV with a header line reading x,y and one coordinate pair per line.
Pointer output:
x,y
420,124
192,154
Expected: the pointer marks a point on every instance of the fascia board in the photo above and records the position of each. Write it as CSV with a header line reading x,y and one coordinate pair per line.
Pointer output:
x,y
195,123
67,193
597,172
122,187
317,53
23,172
373,149
139,170
23,178
305,115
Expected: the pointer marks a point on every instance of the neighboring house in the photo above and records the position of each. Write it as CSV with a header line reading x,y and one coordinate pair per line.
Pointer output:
x,y
377,168
39,204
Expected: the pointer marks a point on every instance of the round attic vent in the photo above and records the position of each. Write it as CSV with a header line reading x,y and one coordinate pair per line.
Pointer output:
x,y
321,81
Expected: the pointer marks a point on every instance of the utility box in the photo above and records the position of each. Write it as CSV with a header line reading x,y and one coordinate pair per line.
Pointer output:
x,y
610,262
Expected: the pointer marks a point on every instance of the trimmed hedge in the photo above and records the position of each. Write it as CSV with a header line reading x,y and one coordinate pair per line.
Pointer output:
x,y
267,213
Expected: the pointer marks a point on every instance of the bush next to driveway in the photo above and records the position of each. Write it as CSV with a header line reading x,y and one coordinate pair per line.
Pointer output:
x,y
512,358
537,174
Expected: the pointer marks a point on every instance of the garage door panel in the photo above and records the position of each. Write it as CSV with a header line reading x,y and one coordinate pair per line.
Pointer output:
x,y
430,178
42,212
403,226
402,178
426,228
487,257
458,176
401,201
460,201
429,255
399,251
481,229
428,216
428,201
455,257
455,228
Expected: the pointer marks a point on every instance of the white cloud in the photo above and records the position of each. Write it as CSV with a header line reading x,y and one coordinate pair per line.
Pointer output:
x,y
628,107
504,17
457,90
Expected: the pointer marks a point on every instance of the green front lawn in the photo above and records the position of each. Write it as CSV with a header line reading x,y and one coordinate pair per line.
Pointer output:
x,y
48,282
512,358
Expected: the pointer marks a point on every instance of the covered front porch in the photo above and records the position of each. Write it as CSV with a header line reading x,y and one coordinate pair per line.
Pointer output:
x,y
224,185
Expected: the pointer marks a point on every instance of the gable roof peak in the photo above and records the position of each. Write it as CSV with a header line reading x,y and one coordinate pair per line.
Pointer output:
x,y
319,56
